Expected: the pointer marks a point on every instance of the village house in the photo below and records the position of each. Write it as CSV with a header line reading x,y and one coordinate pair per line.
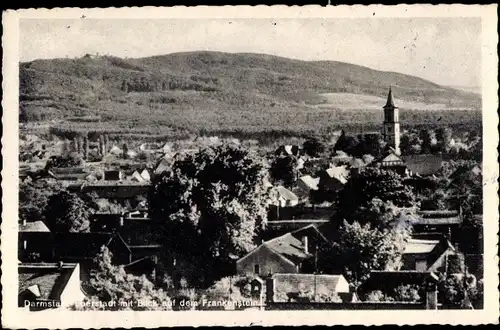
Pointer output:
x,y
68,173
307,183
427,255
285,197
33,240
444,222
47,285
333,179
116,190
292,252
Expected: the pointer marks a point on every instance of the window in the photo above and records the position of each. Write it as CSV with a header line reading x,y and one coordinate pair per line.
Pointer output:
x,y
256,269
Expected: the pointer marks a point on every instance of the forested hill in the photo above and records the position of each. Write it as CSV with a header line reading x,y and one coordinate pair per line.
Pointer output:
x,y
215,86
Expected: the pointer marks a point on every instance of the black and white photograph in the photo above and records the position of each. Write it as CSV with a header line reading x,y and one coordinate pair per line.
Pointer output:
x,y
244,163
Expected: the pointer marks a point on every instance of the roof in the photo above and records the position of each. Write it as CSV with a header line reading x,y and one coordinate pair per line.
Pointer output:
x,y
423,164
437,217
357,163
341,173
415,246
286,194
285,284
310,182
67,170
34,227
81,245
46,281
391,158
288,247
137,177
390,100
117,189
163,165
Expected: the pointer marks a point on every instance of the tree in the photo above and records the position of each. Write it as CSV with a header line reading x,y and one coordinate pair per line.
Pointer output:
x,y
346,143
33,198
125,151
85,147
66,212
359,191
428,138
217,204
284,169
313,146
72,159
443,137
113,289
362,248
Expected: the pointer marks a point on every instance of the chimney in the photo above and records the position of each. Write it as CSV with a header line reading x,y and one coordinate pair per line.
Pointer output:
x,y
270,283
60,264
305,242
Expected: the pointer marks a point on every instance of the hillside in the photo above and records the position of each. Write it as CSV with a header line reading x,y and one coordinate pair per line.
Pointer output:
x,y
201,92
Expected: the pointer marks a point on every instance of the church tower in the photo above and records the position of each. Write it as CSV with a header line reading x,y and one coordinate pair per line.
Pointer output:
x,y
391,124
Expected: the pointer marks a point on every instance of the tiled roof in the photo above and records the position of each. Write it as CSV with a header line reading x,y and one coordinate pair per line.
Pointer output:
x,y
420,246
286,194
289,247
310,182
423,164
391,158
35,226
49,280
338,172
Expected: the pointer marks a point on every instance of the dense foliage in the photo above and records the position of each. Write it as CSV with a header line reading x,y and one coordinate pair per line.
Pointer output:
x,y
67,212
360,190
111,288
211,206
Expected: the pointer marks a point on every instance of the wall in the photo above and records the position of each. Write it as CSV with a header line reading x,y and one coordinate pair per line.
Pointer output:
x,y
72,293
268,261
346,306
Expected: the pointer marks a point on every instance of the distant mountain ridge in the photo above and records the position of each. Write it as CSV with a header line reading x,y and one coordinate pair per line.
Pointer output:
x,y
193,88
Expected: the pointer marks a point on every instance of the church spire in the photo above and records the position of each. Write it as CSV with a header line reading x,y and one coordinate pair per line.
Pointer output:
x,y
390,99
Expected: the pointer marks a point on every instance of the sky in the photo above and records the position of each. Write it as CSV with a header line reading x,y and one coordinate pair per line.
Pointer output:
x,y
444,50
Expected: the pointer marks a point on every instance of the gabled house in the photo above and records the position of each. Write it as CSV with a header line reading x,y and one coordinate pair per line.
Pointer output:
x,y
423,165
163,165
32,241
333,179
445,222
307,183
394,163
283,254
285,197
68,173
292,252
45,285
137,177
116,190
427,255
